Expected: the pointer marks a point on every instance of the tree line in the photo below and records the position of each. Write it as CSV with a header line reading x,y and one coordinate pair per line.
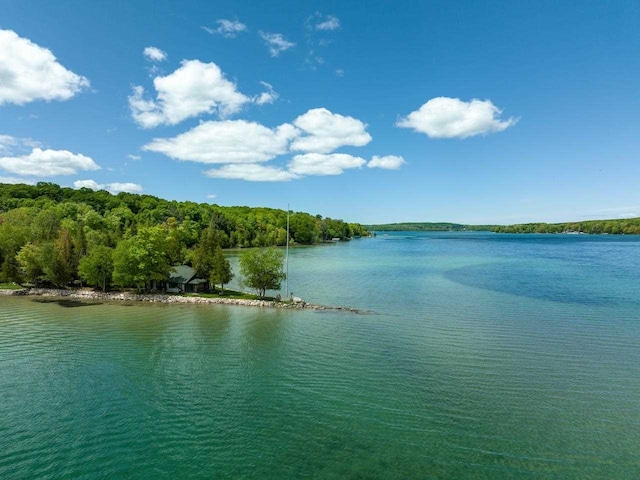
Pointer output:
x,y
630,226
61,236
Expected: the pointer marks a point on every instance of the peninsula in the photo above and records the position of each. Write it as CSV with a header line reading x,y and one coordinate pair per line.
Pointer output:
x,y
57,237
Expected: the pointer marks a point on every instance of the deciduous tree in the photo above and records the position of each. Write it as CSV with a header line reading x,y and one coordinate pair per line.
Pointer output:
x,y
262,269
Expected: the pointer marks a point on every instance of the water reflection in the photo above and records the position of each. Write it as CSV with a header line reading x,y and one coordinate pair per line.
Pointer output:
x,y
66,303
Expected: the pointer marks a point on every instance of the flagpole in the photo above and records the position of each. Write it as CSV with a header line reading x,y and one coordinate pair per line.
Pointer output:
x,y
287,255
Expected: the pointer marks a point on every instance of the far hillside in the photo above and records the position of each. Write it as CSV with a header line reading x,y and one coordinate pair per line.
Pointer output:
x,y
415,227
629,226
613,226
425,227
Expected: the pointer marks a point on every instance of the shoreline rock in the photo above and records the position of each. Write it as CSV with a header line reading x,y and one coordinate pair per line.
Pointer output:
x,y
88,294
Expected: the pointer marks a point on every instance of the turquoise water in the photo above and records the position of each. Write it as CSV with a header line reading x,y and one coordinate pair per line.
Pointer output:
x,y
485,356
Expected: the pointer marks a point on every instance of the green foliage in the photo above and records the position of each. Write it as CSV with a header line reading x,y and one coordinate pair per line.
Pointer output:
x,y
262,269
417,227
629,226
221,273
141,259
29,260
61,225
97,267
617,226
203,255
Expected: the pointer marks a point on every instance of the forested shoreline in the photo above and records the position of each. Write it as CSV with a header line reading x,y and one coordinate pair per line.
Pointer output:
x,y
61,236
629,226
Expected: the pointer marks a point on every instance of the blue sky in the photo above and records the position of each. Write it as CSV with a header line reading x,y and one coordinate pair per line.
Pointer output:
x,y
475,112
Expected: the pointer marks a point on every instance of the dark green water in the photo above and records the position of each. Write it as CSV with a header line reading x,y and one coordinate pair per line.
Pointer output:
x,y
488,356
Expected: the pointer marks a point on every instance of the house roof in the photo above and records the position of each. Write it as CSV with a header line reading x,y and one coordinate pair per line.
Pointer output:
x,y
181,274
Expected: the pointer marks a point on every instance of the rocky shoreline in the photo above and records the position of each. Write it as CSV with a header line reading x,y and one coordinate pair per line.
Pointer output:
x,y
88,294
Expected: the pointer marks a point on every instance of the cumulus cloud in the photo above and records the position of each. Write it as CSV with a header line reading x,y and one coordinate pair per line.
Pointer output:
x,y
276,43
135,158
326,131
320,164
328,23
124,187
15,180
243,147
191,90
252,172
227,141
92,184
227,28
211,196
445,117
114,188
389,162
154,54
29,72
44,163
268,96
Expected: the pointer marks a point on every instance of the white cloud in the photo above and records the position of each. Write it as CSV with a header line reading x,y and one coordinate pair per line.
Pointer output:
x,y
276,43
6,141
135,158
124,187
331,22
242,147
29,72
192,89
114,188
228,141
211,196
15,180
327,131
320,164
445,117
227,28
389,162
154,54
251,172
44,163
92,184
339,72
269,96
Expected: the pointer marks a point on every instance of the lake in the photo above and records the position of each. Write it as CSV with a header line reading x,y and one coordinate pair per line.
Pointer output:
x,y
484,356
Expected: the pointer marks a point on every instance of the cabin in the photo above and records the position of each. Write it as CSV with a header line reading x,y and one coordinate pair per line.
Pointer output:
x,y
183,280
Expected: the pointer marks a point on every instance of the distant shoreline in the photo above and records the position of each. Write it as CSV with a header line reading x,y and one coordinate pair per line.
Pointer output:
x,y
88,294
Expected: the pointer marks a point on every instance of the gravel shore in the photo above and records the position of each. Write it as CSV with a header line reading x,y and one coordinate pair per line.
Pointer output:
x,y
88,294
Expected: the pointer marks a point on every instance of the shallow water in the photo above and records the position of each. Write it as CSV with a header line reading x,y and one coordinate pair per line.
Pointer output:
x,y
486,356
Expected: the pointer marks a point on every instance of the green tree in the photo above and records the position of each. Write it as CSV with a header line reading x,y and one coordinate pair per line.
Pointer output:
x,y
10,271
203,256
141,259
262,269
221,272
97,267
175,245
29,260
